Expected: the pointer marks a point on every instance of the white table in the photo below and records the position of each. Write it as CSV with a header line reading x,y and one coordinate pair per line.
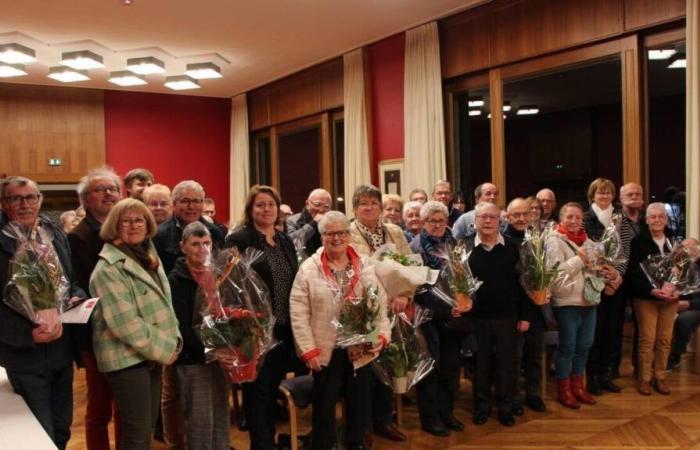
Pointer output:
x,y
19,429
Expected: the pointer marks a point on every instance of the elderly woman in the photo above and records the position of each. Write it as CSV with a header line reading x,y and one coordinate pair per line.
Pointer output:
x,y
135,331
368,234
436,392
654,309
277,268
535,209
335,271
202,388
574,312
391,209
157,198
413,224
611,310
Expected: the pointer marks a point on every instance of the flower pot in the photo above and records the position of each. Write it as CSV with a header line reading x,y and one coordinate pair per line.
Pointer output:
x,y
243,368
399,385
539,297
463,301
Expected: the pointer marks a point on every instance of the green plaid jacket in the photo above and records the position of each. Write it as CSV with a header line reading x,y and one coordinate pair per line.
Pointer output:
x,y
134,320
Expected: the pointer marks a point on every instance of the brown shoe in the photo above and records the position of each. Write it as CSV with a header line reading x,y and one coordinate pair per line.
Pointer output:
x,y
644,388
661,387
390,432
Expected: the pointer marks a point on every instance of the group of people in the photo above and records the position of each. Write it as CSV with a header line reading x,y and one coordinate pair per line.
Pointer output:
x,y
144,257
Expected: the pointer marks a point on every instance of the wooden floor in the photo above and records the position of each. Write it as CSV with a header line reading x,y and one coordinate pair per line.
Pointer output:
x,y
626,420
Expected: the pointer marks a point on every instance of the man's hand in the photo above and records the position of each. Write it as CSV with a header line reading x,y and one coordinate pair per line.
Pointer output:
x,y
683,305
523,326
50,327
398,304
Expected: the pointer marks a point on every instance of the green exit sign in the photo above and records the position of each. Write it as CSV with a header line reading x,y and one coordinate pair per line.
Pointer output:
x,y
54,161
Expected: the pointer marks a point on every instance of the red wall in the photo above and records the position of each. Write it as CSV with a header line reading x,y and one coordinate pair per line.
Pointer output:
x,y
386,64
176,137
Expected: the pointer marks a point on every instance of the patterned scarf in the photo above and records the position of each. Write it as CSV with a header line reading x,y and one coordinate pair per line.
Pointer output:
x,y
355,262
375,240
433,247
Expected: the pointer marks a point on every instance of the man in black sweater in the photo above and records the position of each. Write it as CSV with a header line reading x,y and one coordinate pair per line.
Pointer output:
x,y
501,311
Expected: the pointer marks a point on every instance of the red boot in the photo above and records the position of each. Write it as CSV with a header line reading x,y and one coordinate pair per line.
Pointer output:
x,y
579,392
566,397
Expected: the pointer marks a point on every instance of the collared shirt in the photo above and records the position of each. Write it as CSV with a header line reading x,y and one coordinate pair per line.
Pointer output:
x,y
488,248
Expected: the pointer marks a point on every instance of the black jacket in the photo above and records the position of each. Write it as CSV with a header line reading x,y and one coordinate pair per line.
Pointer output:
x,y
167,241
18,352
637,282
184,293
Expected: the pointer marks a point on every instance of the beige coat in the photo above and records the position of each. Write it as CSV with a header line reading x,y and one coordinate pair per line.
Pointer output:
x,y
393,234
313,309
568,292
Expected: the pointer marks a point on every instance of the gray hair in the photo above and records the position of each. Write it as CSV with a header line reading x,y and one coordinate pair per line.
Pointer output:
x,y
366,190
411,205
657,205
98,172
431,207
196,229
319,192
154,189
332,217
184,185
16,181
482,206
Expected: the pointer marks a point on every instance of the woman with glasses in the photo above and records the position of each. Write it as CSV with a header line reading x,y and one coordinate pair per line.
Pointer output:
x,y
135,332
157,198
437,391
277,267
333,274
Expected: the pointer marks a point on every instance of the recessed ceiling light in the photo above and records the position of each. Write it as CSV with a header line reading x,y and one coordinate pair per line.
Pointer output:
x,y
127,78
528,110
203,71
506,106
16,54
663,53
82,60
12,70
677,62
474,112
67,75
145,66
181,83
475,102
504,116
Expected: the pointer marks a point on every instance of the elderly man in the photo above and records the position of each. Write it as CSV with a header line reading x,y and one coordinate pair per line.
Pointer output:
x,y
136,181
442,192
465,227
36,355
303,226
549,204
501,311
98,192
158,199
533,339
418,195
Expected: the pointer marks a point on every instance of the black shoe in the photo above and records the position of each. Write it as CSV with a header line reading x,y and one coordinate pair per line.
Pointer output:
x,y
607,384
593,386
518,409
535,403
507,420
451,423
436,428
673,361
480,418
614,373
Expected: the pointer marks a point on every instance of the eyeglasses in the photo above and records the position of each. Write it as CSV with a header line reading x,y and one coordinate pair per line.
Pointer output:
x,y
437,222
520,215
487,217
320,205
155,204
104,189
336,234
191,201
31,199
138,222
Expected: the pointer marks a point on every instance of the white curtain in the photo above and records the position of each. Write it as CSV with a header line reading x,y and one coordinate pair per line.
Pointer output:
x,y
424,131
357,152
239,179
692,119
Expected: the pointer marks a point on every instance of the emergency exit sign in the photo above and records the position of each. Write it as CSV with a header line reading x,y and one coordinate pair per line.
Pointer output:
x,y
54,161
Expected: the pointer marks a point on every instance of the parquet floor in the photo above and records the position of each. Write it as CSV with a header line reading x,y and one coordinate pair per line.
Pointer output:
x,y
619,421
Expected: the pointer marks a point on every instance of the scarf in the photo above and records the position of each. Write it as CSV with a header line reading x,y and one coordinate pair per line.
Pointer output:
x,y
355,262
141,253
604,215
434,248
577,238
375,240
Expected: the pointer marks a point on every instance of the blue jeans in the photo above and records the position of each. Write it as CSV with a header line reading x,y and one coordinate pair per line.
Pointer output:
x,y
576,332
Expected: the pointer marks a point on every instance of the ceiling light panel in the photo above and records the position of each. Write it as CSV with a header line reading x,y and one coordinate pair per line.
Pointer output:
x,y
678,62
474,112
528,111
660,54
181,83
12,70
475,102
16,54
203,71
82,60
67,75
126,78
145,66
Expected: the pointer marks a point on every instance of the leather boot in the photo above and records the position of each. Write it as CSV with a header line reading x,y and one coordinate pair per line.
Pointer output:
x,y
593,385
579,392
607,384
566,397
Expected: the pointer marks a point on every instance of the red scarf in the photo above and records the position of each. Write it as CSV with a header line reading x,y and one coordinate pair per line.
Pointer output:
x,y
577,238
356,263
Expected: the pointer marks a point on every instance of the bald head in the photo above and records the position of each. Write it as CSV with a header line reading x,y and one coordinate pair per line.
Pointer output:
x,y
486,192
548,201
518,213
319,202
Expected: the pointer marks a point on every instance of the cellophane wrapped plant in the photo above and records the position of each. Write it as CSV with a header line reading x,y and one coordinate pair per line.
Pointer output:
x,y
233,313
539,269
608,249
37,285
673,272
462,283
357,317
400,274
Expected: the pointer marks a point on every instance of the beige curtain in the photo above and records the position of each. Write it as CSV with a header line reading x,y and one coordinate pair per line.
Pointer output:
x,y
357,151
424,131
692,119
239,179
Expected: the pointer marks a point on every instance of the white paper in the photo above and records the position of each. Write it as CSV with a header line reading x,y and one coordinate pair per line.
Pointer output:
x,y
81,313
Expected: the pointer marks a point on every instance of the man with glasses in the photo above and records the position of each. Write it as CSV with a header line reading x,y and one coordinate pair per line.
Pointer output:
x,y
37,357
442,192
98,192
303,226
549,204
465,227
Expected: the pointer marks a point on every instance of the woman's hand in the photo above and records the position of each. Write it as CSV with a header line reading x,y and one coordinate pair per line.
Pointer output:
x,y
664,295
584,256
313,364
50,327
224,356
523,326
398,304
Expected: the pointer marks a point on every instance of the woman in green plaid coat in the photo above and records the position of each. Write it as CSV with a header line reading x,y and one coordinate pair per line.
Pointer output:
x,y
135,331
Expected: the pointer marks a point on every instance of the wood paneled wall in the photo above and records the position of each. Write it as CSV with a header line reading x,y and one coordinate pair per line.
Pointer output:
x,y
42,122
311,91
507,31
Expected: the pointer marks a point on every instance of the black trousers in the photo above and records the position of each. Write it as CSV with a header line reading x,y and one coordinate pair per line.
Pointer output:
x,y
496,338
260,396
49,395
382,402
607,343
336,379
683,328
136,390
532,349
436,392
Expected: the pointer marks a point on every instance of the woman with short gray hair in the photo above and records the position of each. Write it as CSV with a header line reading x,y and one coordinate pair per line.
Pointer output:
x,y
412,220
